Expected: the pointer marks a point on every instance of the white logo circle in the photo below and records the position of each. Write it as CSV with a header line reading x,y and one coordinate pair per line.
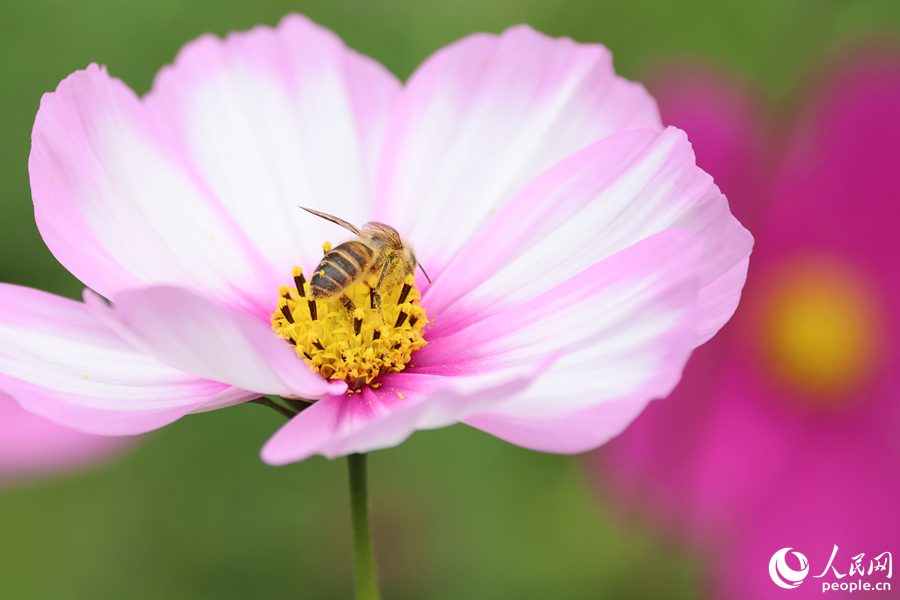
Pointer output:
x,y
779,571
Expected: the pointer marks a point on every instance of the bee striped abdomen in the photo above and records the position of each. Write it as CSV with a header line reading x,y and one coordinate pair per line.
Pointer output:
x,y
340,268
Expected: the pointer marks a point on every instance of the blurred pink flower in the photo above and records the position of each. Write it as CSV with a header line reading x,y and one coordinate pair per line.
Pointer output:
x,y
575,248
784,431
32,447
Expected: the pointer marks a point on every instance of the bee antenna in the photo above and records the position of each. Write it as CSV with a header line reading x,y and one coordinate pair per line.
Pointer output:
x,y
424,273
333,219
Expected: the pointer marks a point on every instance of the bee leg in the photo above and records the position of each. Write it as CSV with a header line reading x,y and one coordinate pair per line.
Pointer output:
x,y
377,297
384,271
373,292
348,303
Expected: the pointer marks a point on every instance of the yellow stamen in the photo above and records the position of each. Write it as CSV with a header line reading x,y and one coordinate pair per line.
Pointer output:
x,y
357,346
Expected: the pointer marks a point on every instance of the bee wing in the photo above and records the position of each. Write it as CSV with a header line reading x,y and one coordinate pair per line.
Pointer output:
x,y
383,232
334,219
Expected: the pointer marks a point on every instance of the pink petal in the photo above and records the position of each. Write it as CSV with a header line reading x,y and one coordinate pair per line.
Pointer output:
x,y
379,418
192,334
813,509
590,206
59,361
837,191
653,465
714,452
31,446
197,185
118,207
723,117
272,119
484,116
626,326
738,460
569,433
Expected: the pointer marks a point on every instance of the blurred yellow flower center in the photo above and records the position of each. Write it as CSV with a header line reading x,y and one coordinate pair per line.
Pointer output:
x,y
820,329
347,336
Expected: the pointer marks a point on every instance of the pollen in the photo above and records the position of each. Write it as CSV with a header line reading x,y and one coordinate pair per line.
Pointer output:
x,y
347,336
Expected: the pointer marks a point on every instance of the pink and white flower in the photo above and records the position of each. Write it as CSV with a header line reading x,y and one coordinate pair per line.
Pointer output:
x,y
577,253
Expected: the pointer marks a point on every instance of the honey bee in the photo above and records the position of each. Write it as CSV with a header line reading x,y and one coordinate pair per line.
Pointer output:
x,y
377,250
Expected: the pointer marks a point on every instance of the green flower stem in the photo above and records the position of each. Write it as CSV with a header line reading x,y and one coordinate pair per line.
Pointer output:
x,y
282,410
363,557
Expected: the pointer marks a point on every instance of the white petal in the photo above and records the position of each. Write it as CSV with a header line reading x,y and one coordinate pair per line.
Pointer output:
x,y
276,119
484,116
197,184
197,336
589,207
119,207
61,362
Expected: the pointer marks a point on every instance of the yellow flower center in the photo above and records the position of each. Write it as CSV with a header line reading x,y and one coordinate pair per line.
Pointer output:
x,y
820,329
347,336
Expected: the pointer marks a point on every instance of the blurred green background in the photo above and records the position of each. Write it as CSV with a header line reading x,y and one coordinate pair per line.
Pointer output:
x,y
192,512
